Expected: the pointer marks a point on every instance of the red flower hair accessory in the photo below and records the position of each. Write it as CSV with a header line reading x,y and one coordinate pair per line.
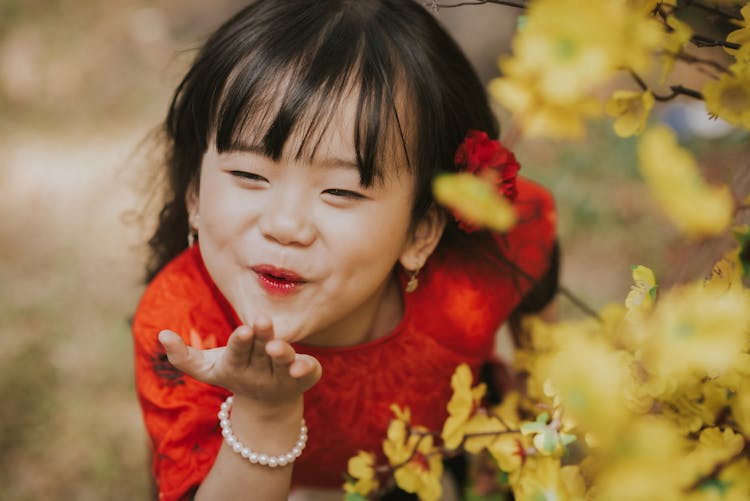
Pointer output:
x,y
490,160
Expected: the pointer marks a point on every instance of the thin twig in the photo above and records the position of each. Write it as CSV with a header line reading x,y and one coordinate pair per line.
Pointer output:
x,y
437,6
691,59
578,302
701,41
677,90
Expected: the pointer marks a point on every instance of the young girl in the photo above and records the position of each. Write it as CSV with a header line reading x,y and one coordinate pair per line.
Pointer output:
x,y
302,145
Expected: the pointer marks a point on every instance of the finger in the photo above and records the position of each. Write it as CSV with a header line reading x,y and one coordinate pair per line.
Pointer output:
x,y
240,346
282,355
262,333
306,370
185,358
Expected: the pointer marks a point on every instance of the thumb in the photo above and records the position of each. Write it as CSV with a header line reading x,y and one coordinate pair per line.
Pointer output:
x,y
183,357
306,370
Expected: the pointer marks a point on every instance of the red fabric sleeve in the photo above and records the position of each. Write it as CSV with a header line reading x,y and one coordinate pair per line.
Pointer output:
x,y
179,411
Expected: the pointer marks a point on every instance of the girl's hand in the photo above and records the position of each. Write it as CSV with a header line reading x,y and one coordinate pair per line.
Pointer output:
x,y
252,365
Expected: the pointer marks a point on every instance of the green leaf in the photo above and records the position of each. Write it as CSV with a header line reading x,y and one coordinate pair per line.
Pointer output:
x,y
354,496
567,438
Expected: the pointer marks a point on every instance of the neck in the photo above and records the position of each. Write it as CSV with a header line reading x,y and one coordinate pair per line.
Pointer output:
x,y
381,316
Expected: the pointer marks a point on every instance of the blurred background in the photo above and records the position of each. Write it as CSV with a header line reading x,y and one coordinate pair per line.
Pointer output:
x,y
83,85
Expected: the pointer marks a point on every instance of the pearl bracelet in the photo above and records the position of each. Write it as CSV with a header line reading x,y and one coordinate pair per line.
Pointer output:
x,y
256,457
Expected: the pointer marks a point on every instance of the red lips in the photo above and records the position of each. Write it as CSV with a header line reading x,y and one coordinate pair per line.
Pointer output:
x,y
278,281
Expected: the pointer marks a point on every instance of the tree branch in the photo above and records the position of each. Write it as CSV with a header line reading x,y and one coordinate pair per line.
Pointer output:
x,y
691,59
701,41
578,302
436,6
677,90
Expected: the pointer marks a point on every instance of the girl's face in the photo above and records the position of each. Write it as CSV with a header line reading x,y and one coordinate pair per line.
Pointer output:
x,y
303,242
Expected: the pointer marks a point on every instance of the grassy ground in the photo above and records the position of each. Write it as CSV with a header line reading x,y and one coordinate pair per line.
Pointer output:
x,y
81,84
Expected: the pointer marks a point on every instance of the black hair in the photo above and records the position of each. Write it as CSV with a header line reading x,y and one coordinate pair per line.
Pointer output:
x,y
282,68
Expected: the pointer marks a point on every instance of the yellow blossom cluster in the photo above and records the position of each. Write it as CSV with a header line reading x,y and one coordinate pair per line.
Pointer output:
x,y
653,394
560,59
566,53
729,96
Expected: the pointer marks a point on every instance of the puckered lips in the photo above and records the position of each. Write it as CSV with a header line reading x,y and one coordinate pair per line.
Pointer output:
x,y
278,281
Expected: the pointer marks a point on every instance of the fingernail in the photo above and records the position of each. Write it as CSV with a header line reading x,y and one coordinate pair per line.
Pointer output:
x,y
163,335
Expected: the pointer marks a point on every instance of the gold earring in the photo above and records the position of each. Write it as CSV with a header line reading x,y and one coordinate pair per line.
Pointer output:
x,y
413,282
192,230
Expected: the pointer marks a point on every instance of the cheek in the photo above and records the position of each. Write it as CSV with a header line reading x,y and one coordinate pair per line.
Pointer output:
x,y
375,243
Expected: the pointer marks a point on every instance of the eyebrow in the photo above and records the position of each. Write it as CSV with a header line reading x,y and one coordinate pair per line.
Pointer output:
x,y
241,147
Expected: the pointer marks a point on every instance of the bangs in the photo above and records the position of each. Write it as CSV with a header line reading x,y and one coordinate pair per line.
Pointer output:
x,y
292,85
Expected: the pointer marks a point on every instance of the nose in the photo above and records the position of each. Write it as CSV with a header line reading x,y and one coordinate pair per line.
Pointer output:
x,y
287,222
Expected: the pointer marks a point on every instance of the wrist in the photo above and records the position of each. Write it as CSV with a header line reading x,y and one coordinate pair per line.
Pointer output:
x,y
261,413
265,448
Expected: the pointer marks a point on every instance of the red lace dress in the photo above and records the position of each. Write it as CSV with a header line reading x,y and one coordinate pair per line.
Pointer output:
x,y
450,319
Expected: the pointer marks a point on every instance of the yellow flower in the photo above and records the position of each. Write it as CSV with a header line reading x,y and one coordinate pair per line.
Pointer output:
x,y
559,60
570,55
631,110
695,404
642,293
360,468
476,200
544,480
729,96
509,451
537,114
418,463
466,417
742,35
461,406
645,464
507,410
696,208
741,407
714,447
590,378
696,332
726,273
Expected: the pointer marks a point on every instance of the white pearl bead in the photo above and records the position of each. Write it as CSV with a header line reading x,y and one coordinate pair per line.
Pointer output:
x,y
254,457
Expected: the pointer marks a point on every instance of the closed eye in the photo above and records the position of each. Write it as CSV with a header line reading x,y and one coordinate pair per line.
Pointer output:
x,y
244,175
344,193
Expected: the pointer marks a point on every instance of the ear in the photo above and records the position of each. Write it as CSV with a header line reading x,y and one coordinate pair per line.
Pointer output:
x,y
191,202
424,239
